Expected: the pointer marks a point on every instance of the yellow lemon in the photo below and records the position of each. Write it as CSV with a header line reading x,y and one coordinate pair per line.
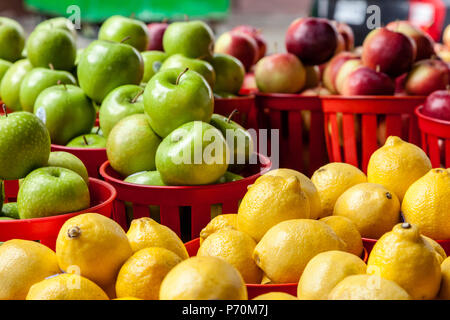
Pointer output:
x,y
275,296
397,164
93,246
440,252
223,221
367,287
203,278
374,209
127,298
444,292
272,200
146,232
236,248
347,231
427,204
66,286
23,263
142,274
325,271
405,257
307,186
265,279
286,248
334,179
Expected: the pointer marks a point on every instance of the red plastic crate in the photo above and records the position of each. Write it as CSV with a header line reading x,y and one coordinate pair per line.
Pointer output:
x,y
435,139
300,148
177,201
255,290
245,105
92,158
46,229
366,122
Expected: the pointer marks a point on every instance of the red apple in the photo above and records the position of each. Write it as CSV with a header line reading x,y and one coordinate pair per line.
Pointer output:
x,y
365,81
427,76
238,45
446,36
424,43
255,34
280,73
332,69
312,40
437,105
348,67
391,52
155,32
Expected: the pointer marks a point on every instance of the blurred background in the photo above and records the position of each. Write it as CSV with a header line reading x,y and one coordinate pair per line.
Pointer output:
x,y
272,17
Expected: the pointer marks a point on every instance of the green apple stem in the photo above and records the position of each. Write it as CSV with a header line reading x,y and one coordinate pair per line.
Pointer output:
x,y
179,76
51,66
74,232
232,114
4,110
85,140
137,96
59,82
98,130
125,39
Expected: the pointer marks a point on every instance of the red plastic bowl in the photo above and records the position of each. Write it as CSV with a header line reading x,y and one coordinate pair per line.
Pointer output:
x,y
46,229
377,117
92,158
245,105
435,139
173,200
300,148
255,290
369,243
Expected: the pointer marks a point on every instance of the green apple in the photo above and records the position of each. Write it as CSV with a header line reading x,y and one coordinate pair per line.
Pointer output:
x,y
149,178
91,140
153,61
10,210
118,28
193,39
200,66
230,73
123,101
39,79
229,177
51,191
238,139
174,97
12,39
4,66
69,161
106,65
52,46
222,95
59,23
24,145
66,111
5,218
10,86
79,53
193,154
131,145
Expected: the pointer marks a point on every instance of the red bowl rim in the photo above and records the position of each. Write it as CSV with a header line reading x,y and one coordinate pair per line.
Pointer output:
x,y
241,98
265,168
110,199
68,149
340,97
421,115
285,95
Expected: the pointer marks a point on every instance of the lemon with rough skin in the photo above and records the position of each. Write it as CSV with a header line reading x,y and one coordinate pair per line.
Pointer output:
x,y
275,296
444,292
397,164
440,252
427,204
368,287
142,274
66,286
307,186
223,221
325,271
286,248
334,179
95,244
236,248
405,257
272,200
203,278
373,209
347,231
146,233
23,263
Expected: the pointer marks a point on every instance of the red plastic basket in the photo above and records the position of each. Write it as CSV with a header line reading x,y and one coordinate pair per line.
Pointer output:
x,y
245,105
435,139
177,202
300,148
255,290
46,229
377,117
92,158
